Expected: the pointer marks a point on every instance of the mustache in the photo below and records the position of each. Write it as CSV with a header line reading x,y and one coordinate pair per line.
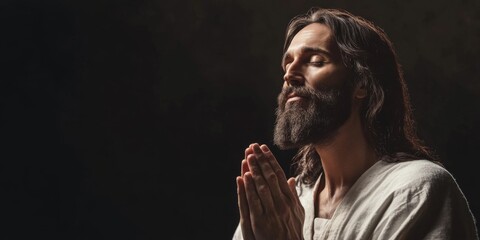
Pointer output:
x,y
318,95
300,91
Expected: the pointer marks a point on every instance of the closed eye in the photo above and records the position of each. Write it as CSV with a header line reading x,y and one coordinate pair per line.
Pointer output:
x,y
317,63
316,60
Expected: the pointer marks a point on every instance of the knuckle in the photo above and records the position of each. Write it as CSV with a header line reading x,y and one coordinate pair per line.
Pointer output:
x,y
262,189
272,177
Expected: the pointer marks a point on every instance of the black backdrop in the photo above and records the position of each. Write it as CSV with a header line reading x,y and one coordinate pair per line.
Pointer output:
x,y
128,119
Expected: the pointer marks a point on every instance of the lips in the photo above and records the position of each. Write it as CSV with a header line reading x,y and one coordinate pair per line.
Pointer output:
x,y
292,98
296,95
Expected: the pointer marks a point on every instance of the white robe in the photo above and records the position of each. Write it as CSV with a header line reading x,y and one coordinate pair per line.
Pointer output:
x,y
406,200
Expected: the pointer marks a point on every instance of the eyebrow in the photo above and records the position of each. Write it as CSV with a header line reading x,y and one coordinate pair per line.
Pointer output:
x,y
304,50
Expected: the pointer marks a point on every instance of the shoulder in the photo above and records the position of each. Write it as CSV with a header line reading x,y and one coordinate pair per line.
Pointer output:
x,y
417,171
418,176
430,193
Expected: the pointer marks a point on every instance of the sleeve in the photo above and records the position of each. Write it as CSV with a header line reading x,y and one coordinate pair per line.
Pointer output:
x,y
433,207
237,235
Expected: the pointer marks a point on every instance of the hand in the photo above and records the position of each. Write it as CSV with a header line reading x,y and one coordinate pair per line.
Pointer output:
x,y
269,205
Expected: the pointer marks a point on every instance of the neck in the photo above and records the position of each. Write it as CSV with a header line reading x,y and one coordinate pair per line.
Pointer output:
x,y
345,158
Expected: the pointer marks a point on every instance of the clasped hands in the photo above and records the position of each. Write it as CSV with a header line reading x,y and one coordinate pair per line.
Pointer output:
x,y
269,205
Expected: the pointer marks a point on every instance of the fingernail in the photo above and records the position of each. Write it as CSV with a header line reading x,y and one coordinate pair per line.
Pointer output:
x,y
257,149
264,148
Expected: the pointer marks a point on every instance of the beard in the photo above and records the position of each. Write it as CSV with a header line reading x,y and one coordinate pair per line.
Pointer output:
x,y
315,118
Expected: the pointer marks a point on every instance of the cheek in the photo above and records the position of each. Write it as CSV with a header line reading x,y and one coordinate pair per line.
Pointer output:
x,y
327,77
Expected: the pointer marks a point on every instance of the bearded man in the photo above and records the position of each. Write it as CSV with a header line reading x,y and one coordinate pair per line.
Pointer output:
x,y
361,170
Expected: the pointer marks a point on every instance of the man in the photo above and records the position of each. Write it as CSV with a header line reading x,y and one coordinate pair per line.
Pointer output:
x,y
362,173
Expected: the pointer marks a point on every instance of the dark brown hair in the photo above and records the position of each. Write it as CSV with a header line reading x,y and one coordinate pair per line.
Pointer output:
x,y
386,113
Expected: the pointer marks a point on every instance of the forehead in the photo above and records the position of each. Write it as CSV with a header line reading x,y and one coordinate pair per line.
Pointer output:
x,y
314,35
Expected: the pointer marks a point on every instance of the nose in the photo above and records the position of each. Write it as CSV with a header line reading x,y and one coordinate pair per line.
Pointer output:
x,y
293,76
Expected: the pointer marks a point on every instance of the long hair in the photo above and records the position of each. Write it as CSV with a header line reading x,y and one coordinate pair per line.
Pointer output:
x,y
386,113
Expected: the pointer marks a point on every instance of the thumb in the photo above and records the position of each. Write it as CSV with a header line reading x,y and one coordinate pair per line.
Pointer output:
x,y
291,183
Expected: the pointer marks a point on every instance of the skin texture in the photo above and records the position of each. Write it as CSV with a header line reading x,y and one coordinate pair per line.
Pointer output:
x,y
313,59
316,97
269,205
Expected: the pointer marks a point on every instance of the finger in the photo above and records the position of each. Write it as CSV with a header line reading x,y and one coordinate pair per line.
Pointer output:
x,y
278,170
242,200
244,167
248,151
270,177
293,187
245,222
292,184
261,186
273,162
253,199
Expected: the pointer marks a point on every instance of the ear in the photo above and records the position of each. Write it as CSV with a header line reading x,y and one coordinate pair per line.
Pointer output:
x,y
360,92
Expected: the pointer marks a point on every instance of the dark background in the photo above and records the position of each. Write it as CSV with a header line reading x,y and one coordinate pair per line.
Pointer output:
x,y
128,119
